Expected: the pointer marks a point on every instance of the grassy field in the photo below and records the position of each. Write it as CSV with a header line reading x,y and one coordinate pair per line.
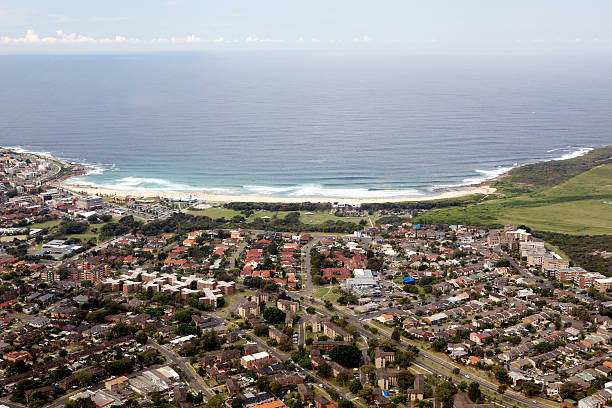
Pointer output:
x,y
317,217
46,225
10,238
576,206
573,217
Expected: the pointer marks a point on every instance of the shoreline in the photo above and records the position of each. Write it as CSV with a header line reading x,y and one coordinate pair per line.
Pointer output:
x,y
482,188
78,169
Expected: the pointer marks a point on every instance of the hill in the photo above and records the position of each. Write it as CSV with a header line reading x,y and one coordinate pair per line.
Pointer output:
x,y
574,201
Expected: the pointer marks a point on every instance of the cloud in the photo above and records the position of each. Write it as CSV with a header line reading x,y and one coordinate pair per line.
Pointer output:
x,y
262,40
191,39
64,38
364,39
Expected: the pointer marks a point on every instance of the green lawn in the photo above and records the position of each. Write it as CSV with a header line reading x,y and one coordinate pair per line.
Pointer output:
x,y
573,207
10,238
214,212
573,217
46,224
317,217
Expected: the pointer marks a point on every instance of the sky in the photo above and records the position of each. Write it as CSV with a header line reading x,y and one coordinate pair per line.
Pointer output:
x,y
551,27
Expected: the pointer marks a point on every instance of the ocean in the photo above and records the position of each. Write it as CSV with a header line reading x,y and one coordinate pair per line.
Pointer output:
x,y
302,124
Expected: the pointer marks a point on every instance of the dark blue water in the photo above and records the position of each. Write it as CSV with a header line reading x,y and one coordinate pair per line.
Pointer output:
x,y
303,124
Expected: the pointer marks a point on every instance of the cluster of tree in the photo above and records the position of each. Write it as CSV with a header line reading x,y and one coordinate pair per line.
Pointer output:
x,y
274,315
258,283
347,355
69,227
419,205
124,225
544,174
279,206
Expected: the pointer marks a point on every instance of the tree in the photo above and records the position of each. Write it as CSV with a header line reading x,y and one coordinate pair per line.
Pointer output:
x,y
210,341
80,403
501,374
439,345
445,392
262,384
354,386
183,315
261,330
568,390
502,389
141,337
216,401
274,315
324,370
237,402
342,378
530,388
367,394
345,404
84,377
474,392
462,386
404,380
276,388
397,334
347,355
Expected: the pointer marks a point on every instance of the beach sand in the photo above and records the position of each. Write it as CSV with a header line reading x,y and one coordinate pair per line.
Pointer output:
x,y
221,198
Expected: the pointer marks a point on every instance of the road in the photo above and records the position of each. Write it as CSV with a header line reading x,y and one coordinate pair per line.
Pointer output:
x,y
308,287
236,254
194,379
356,323
301,333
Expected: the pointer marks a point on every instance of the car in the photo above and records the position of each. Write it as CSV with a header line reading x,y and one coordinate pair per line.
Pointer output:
x,y
467,376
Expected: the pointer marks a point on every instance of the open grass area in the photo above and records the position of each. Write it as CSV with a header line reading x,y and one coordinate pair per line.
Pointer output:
x,y
46,224
576,206
214,212
573,217
10,238
317,217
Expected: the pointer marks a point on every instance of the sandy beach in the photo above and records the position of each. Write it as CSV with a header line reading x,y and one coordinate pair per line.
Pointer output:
x,y
220,198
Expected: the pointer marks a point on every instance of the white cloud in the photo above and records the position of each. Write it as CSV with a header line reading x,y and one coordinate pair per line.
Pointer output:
x,y
64,38
364,39
261,40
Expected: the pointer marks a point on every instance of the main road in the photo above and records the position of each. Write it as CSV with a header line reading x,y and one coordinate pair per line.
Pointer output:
x,y
195,380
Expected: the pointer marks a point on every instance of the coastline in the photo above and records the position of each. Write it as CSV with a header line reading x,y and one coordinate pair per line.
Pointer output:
x,y
69,170
483,188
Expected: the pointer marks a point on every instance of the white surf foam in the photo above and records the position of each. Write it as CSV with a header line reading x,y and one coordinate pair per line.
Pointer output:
x,y
470,181
149,184
580,151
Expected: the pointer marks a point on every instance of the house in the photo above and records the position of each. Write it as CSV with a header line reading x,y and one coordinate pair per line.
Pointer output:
x,y
385,318
387,378
287,306
277,335
305,392
117,384
322,402
233,388
257,360
417,390
250,308
383,358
